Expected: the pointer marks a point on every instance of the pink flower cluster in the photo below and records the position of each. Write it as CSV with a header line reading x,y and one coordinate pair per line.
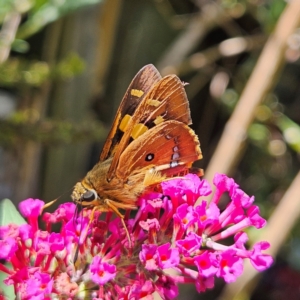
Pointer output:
x,y
171,242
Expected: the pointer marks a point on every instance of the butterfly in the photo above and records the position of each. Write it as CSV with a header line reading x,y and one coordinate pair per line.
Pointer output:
x,y
149,141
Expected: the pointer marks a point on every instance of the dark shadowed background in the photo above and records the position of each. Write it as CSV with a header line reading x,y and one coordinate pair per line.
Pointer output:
x,y
65,66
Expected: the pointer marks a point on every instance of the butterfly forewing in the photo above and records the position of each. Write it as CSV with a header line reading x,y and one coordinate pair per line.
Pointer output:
x,y
166,100
137,90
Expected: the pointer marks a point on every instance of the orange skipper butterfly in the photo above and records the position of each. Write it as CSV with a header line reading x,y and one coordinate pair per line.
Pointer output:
x,y
149,141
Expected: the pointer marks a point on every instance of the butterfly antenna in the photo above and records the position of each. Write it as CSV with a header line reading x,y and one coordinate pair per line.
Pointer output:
x,y
50,203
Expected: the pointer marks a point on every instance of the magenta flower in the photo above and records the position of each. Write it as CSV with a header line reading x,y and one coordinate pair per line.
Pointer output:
x,y
148,256
38,285
8,248
166,287
259,260
95,259
31,208
190,244
102,272
167,257
230,265
207,264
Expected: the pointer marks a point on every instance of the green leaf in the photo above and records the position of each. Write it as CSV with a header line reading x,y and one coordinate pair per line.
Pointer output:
x,y
290,130
9,213
20,46
48,13
8,290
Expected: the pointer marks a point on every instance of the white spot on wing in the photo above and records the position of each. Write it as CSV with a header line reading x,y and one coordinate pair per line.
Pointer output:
x,y
174,164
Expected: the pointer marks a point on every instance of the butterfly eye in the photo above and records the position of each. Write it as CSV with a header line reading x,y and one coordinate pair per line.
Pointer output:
x,y
149,157
89,195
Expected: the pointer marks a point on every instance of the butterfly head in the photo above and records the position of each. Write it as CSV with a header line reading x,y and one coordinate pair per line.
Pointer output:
x,y
84,195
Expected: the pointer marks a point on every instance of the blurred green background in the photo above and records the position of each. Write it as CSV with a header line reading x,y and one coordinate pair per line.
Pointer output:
x,y
65,65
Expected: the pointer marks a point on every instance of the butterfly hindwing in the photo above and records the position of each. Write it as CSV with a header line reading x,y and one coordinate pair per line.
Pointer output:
x,y
168,145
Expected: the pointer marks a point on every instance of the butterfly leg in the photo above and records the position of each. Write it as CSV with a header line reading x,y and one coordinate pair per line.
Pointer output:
x,y
115,209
